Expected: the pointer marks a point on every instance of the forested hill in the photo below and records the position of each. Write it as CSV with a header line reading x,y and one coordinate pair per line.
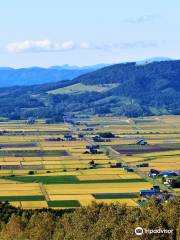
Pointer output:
x,y
132,72
122,89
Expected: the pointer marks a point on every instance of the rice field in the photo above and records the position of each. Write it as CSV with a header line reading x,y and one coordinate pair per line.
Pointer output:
x,y
39,167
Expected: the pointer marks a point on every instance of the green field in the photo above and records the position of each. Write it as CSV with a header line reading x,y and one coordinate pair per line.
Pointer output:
x,y
21,198
80,88
68,180
68,204
116,196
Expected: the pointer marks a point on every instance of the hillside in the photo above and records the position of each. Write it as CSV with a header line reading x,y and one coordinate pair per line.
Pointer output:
x,y
122,89
36,75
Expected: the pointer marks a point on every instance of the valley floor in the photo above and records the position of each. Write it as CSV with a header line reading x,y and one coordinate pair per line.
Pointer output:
x,y
44,165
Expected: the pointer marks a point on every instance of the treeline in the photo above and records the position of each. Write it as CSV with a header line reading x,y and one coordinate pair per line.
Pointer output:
x,y
96,222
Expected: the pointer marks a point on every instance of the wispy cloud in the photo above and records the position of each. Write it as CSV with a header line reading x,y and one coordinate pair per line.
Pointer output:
x,y
39,46
49,46
126,45
85,45
138,44
141,19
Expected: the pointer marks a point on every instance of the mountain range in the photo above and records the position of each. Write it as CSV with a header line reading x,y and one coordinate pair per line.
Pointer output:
x,y
127,89
38,75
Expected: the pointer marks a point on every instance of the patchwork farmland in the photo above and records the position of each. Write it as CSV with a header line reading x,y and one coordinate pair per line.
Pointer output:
x,y
86,159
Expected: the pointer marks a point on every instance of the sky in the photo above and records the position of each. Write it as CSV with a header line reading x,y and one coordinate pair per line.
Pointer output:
x,y
87,32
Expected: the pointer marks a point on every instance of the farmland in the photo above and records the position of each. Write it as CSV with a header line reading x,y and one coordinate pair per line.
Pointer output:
x,y
50,165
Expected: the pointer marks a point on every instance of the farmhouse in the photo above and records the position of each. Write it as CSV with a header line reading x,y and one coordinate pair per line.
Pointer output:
x,y
174,182
167,174
155,190
142,165
100,139
69,137
80,135
88,129
107,135
117,165
93,149
153,173
141,142
127,169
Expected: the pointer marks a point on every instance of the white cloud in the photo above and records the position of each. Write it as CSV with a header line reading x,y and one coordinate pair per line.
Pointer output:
x,y
39,46
138,44
49,46
142,19
121,45
85,45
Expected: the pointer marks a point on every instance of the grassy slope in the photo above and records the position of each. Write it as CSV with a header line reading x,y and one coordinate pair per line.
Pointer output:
x,y
80,88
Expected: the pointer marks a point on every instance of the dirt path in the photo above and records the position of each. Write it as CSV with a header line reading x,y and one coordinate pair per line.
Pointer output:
x,y
44,192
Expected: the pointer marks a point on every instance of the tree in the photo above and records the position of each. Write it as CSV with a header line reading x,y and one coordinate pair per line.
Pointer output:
x,y
40,227
13,230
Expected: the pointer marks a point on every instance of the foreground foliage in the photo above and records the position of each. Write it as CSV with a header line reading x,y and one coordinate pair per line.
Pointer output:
x,y
96,222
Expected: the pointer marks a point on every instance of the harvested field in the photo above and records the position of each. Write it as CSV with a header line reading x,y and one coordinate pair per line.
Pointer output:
x,y
135,149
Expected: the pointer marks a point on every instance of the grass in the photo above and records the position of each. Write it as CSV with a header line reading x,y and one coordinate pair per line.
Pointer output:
x,y
44,179
21,198
68,180
80,88
64,203
115,196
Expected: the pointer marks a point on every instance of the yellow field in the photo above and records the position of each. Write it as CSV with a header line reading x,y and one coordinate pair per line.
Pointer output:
x,y
129,202
34,204
97,177
72,197
96,188
22,189
30,204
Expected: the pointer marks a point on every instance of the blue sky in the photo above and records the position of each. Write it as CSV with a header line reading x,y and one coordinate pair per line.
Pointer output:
x,y
83,32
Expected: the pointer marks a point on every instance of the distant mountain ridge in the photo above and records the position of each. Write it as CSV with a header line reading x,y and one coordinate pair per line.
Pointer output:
x,y
72,67
155,59
38,75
